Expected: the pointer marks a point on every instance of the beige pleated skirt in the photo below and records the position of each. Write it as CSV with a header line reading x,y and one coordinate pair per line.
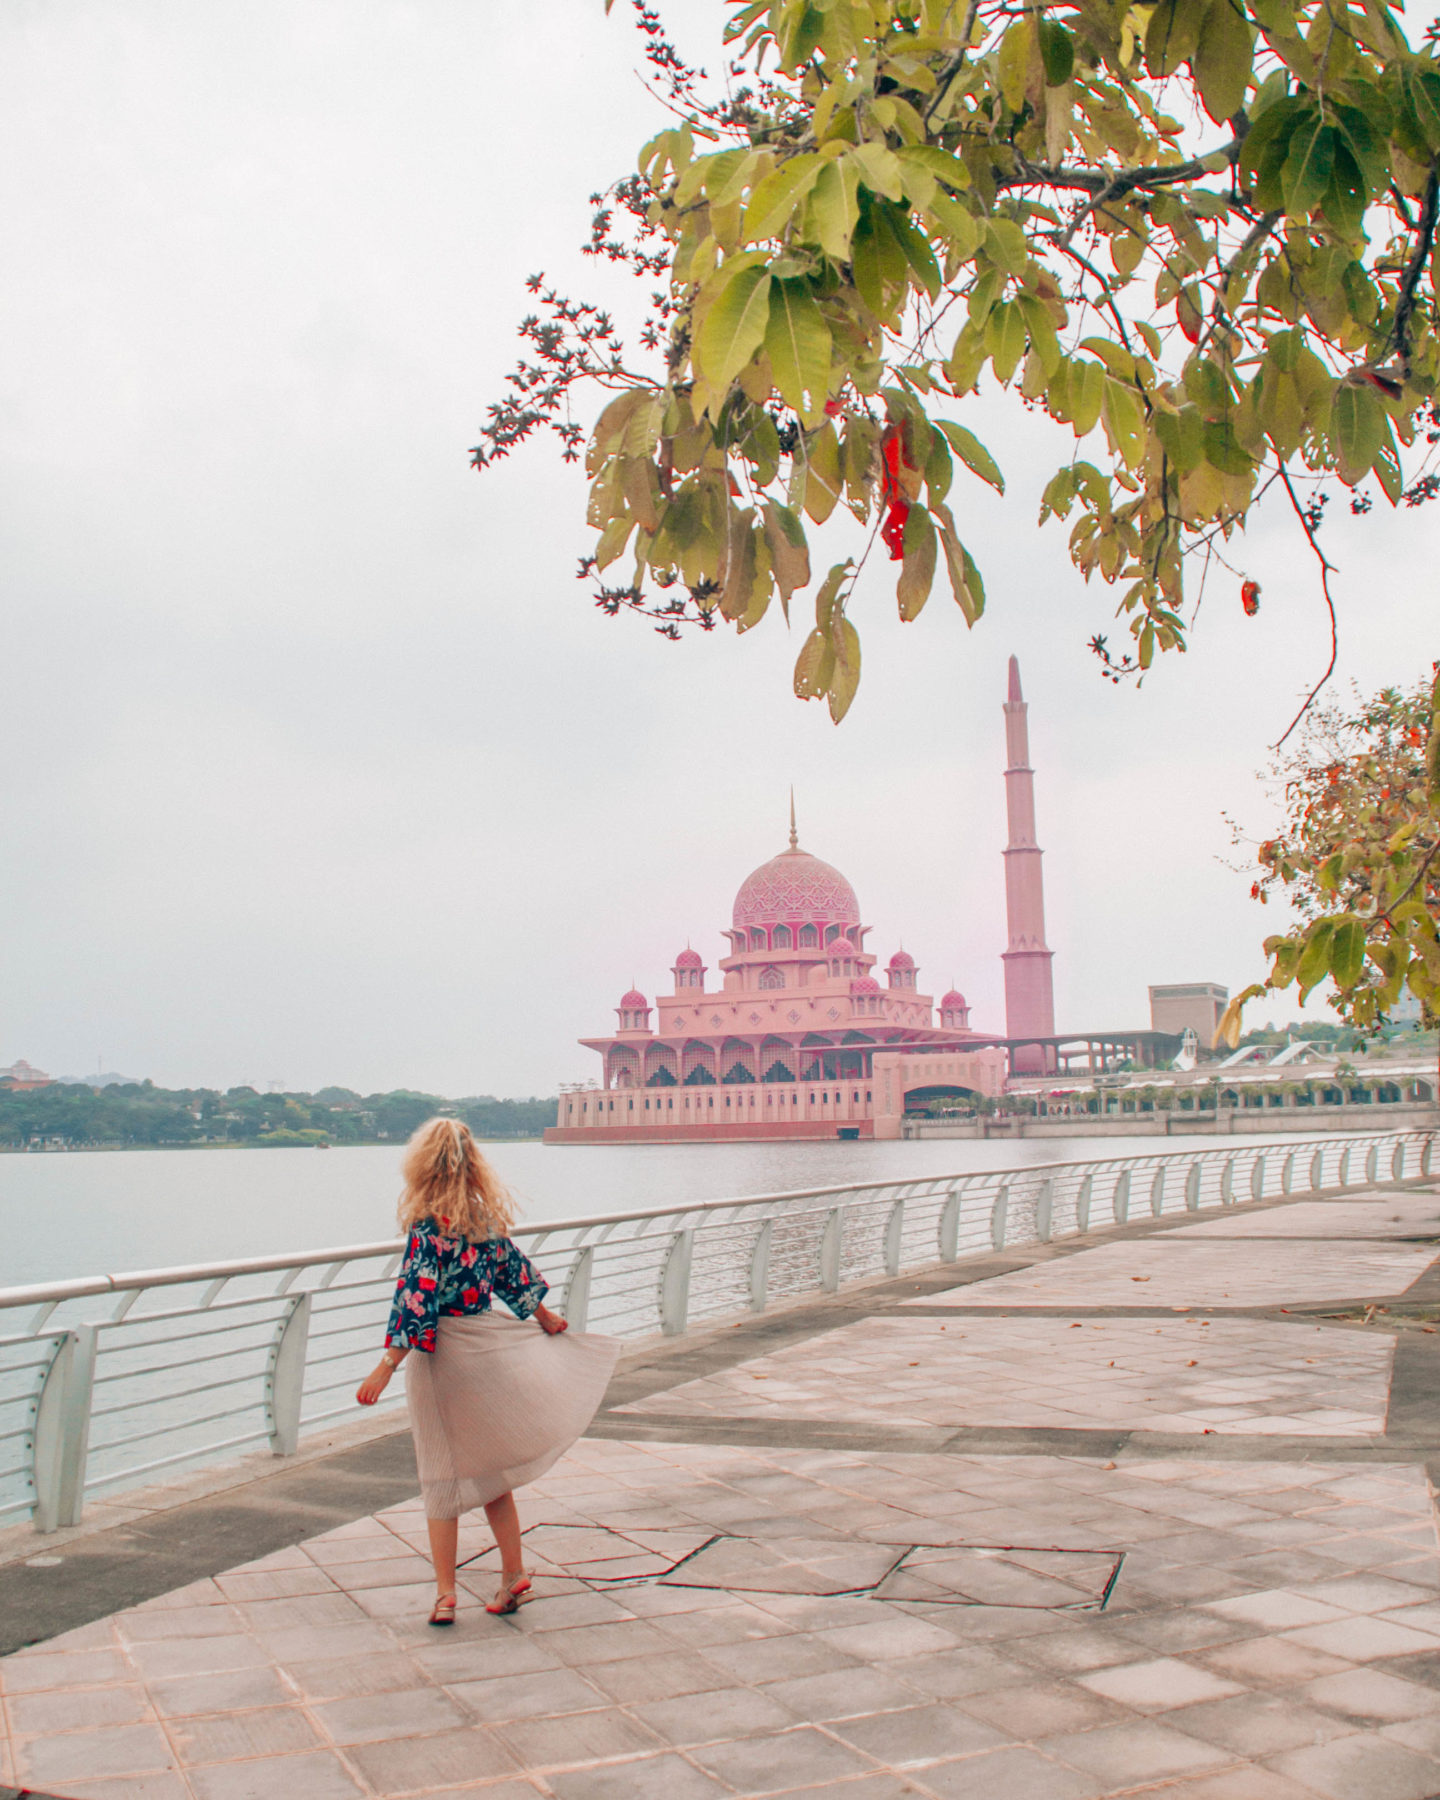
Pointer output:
x,y
497,1402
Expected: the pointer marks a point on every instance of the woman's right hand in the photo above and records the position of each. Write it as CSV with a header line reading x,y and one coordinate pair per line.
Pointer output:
x,y
374,1384
552,1324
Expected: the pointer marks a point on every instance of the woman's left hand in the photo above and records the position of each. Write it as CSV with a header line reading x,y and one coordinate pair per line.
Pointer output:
x,y
374,1384
550,1323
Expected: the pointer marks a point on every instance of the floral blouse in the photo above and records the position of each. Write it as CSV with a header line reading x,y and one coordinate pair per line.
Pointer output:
x,y
448,1275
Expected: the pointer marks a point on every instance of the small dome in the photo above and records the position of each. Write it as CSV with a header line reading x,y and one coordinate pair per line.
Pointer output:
x,y
844,945
954,1001
689,959
902,959
634,1001
865,984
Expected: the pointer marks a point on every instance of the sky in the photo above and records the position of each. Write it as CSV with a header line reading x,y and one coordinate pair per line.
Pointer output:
x,y
320,765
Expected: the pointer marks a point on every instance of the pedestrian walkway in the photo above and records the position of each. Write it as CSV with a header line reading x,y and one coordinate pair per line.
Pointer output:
x,y
1143,1513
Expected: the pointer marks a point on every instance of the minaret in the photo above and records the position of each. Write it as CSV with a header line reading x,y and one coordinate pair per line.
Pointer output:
x,y
1029,993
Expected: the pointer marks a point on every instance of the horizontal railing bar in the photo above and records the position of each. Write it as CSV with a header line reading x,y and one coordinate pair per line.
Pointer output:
x,y
169,1462
205,1387
190,1362
161,1430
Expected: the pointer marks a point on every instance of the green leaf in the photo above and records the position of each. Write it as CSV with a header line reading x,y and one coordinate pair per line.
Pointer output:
x,y
1182,436
1013,63
918,253
814,667
789,552
1357,428
845,677
1005,338
1124,420
1224,58
1314,963
878,263
776,197
1347,196
1309,164
972,453
797,341
732,331
821,463
917,572
832,212
965,582
1057,52
1347,952
1085,395
1171,35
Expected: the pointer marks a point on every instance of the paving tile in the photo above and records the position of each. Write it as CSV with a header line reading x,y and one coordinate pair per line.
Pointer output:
x,y
1371,1696
199,1656
1362,1638
415,1764
1037,1709
169,1623
1127,1755
663,1777
580,1646
918,1734
77,1709
843,1694
1258,1725
231,1690
780,1658
319,1776
33,1671
1158,1686
640,1678
1279,1609
73,1755
1014,1773
725,1713
791,1759
1363,1767
377,1716
542,1693
226,1737
346,1678
165,1784
576,1739
946,1675
1271,1662
1235,1783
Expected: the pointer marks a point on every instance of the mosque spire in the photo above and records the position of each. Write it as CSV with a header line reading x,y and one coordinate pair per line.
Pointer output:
x,y
794,836
1029,993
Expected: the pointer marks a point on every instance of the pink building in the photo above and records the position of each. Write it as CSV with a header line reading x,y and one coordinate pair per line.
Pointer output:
x,y
793,1035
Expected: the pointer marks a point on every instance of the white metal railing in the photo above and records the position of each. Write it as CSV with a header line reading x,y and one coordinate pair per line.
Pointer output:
x,y
107,1380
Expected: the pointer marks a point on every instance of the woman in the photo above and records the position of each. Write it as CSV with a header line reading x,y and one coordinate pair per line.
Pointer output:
x,y
493,1403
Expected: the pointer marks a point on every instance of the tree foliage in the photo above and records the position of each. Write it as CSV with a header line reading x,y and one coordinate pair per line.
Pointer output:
x,y
1356,856
1198,235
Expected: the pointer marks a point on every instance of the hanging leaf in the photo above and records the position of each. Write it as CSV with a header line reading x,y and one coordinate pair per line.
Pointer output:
x,y
797,341
972,453
917,575
733,331
1224,57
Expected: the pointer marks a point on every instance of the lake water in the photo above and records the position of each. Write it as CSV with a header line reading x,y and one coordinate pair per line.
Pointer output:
x,y
103,1212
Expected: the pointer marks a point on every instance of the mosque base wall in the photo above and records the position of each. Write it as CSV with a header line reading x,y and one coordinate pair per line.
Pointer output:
x,y
745,1131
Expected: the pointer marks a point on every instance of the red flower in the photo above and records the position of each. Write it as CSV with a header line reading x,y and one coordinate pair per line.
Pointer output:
x,y
1250,598
426,1284
470,1296
833,409
469,1257
892,493
1254,890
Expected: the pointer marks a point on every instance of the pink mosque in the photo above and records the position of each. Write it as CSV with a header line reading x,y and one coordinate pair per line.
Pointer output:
x,y
799,1038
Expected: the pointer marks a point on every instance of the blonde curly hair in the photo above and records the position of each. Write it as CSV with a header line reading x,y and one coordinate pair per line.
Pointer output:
x,y
448,1181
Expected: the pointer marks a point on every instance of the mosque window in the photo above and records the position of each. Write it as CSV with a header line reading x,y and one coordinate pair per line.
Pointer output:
x,y
757,938
831,933
782,937
778,1072
772,978
809,937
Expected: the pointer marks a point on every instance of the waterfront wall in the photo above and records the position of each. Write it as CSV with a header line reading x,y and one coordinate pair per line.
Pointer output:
x,y
1225,1121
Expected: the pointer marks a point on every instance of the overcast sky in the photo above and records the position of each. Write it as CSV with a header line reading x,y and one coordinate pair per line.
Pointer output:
x,y
319,765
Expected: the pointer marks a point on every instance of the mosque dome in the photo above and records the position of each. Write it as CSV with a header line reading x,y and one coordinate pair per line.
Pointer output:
x,y
865,984
634,1001
689,959
795,888
902,959
954,1001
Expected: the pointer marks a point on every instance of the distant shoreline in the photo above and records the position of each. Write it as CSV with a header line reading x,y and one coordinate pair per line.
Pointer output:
x,y
365,1144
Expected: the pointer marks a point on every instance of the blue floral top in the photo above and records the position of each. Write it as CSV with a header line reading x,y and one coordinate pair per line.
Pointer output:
x,y
451,1275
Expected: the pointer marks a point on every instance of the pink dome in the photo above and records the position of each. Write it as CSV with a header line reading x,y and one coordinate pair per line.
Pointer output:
x,y
843,945
954,1002
634,1001
689,959
865,984
902,959
794,888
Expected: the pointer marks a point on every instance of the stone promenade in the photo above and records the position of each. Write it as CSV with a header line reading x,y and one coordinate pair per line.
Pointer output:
x,y
1144,1513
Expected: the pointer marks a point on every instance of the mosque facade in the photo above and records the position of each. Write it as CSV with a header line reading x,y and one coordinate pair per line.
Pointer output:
x,y
794,1034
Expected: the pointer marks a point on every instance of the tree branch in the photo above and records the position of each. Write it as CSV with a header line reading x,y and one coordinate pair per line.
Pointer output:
x,y
1327,568
1414,269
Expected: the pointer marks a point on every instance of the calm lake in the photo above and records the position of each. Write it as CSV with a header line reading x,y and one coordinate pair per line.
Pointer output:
x,y
103,1212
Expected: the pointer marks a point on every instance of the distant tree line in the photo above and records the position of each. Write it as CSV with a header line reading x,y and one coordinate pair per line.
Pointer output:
x,y
141,1113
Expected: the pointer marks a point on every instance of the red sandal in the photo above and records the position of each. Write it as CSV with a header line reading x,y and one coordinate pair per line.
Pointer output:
x,y
509,1597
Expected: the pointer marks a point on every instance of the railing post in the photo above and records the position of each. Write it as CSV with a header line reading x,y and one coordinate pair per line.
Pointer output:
x,y
1425,1153
1192,1188
285,1376
1157,1192
1082,1204
760,1267
999,1218
894,1237
1287,1174
1317,1171
1044,1209
1372,1163
950,1226
1227,1182
61,1436
1343,1179
832,1240
1397,1161
1257,1178
576,1304
675,1283
1120,1199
